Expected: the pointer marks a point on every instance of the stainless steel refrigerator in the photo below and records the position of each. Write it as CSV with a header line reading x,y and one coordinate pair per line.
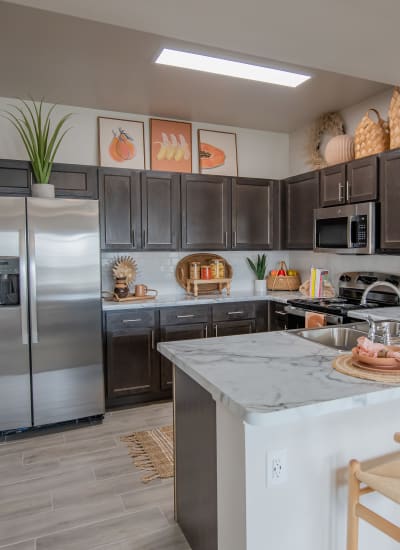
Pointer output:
x,y
50,312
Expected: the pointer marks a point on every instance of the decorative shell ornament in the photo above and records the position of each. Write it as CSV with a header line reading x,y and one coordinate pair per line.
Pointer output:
x,y
124,266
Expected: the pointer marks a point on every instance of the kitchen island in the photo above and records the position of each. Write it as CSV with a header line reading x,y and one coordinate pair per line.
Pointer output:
x,y
246,403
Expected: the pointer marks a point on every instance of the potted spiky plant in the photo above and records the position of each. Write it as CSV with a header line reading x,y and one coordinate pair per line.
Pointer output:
x,y
41,139
259,268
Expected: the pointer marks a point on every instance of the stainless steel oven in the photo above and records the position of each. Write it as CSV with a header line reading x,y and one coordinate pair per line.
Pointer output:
x,y
297,317
348,229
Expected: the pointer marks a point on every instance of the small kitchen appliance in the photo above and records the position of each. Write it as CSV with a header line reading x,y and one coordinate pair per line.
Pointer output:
x,y
348,229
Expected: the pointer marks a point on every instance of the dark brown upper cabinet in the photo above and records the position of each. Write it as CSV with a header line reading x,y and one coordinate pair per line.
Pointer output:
x,y
301,198
362,180
73,181
120,208
252,214
206,212
160,211
389,183
15,177
333,185
356,181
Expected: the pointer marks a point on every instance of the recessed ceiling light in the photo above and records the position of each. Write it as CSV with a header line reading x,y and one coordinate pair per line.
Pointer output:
x,y
215,65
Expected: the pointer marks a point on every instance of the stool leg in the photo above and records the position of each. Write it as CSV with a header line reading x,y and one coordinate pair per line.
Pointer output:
x,y
353,498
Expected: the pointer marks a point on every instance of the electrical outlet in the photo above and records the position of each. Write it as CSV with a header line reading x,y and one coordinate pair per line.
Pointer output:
x,y
277,469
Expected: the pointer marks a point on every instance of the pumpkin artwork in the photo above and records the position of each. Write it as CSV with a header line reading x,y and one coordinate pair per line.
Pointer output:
x,y
121,147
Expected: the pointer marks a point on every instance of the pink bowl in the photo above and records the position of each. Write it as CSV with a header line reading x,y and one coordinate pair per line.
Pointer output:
x,y
377,361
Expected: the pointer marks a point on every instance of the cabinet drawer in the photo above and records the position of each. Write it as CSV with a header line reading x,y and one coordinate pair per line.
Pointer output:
x,y
184,315
130,319
234,311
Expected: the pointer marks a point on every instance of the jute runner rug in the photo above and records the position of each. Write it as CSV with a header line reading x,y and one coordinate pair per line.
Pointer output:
x,y
153,451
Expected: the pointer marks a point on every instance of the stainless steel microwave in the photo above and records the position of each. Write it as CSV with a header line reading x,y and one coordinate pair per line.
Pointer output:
x,y
348,229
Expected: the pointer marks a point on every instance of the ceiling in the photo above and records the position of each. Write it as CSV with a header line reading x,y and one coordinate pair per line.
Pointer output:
x,y
83,62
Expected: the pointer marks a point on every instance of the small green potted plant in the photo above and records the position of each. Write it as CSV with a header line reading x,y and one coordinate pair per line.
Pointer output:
x,y
259,268
41,141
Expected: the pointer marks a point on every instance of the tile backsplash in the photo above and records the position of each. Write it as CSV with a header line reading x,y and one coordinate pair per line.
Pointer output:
x,y
338,263
157,269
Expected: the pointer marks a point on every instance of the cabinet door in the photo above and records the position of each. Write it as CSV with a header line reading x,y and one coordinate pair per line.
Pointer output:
x,y
278,318
206,212
389,178
230,328
160,210
15,177
130,361
177,332
362,180
120,209
252,214
301,197
332,185
73,181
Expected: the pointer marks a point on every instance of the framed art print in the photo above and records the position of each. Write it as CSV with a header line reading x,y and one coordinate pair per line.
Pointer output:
x,y
170,145
121,143
217,153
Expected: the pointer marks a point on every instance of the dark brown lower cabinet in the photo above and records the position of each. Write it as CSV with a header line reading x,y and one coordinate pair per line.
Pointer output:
x,y
133,371
230,328
178,332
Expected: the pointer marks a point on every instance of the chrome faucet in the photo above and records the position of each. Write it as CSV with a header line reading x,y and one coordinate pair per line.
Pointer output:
x,y
378,283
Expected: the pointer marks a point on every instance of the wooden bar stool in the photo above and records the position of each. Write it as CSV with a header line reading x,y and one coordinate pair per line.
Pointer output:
x,y
384,479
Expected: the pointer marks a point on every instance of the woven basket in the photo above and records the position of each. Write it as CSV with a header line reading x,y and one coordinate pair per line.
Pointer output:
x,y
371,137
283,282
394,119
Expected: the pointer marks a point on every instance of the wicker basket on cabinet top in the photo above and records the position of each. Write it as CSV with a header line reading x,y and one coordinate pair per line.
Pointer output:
x,y
371,137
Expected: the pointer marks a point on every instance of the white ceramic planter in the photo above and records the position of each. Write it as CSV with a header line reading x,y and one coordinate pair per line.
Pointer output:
x,y
260,286
43,190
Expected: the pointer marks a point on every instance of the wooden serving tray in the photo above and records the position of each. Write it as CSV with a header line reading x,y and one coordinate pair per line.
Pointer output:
x,y
130,298
182,271
221,283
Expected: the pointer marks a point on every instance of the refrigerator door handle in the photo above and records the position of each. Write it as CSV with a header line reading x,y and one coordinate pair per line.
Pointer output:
x,y
33,298
23,286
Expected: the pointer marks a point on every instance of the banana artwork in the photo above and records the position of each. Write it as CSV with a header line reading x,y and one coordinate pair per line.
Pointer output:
x,y
172,149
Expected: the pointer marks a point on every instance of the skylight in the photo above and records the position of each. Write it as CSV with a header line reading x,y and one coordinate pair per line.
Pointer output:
x,y
216,65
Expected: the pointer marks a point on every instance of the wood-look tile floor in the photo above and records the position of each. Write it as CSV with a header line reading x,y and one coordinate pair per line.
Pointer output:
x,y
79,490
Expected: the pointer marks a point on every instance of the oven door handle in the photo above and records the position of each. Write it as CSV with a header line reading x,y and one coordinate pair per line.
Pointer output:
x,y
330,319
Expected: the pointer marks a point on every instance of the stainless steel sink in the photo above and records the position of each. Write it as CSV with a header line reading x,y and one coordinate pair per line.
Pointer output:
x,y
338,337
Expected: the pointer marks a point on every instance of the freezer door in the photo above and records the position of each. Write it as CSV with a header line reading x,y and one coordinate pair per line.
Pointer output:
x,y
65,309
15,385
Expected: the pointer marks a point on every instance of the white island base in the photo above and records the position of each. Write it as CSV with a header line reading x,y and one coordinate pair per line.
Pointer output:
x,y
238,399
308,510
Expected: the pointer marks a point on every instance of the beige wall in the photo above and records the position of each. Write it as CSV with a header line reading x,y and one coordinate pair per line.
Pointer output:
x,y
298,140
260,154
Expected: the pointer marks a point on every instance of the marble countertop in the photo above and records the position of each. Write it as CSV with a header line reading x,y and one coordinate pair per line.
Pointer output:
x,y
273,377
378,314
185,300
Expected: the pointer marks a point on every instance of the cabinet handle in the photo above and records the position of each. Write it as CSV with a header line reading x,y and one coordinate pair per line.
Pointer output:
x,y
144,237
281,313
348,190
152,340
226,239
234,239
235,313
189,316
131,320
133,238
341,192
206,331
216,330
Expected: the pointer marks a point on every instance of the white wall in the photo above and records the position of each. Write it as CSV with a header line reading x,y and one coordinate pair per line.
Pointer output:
x,y
298,140
260,154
